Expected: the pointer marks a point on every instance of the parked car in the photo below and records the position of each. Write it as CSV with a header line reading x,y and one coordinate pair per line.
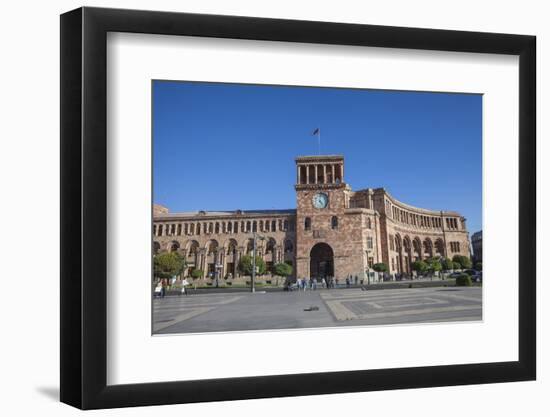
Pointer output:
x,y
476,275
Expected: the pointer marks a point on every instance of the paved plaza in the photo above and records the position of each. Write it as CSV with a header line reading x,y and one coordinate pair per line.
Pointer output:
x,y
222,312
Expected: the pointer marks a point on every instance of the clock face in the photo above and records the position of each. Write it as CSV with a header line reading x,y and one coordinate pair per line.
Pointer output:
x,y
320,200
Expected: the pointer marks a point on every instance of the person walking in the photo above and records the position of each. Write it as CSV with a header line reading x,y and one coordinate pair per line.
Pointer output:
x,y
163,289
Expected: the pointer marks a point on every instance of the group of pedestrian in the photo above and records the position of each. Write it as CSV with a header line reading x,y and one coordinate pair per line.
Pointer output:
x,y
304,284
160,289
350,280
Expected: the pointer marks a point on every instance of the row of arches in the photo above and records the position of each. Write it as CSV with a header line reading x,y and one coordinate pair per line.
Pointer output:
x,y
414,249
223,227
223,260
191,246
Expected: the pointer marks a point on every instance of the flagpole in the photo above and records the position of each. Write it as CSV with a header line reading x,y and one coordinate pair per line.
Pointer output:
x,y
319,140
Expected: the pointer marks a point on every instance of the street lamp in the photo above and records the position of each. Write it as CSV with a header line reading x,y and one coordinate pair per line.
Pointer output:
x,y
255,236
216,266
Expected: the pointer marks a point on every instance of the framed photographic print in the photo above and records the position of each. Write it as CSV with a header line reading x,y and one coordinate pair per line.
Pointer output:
x,y
257,208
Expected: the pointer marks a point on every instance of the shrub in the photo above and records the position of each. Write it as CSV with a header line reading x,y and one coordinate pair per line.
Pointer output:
x,y
197,273
380,267
456,265
479,266
463,280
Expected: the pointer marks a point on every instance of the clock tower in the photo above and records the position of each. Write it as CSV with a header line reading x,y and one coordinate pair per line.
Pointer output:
x,y
322,197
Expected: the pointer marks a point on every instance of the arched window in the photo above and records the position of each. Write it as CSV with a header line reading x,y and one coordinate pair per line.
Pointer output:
x,y
156,247
307,223
289,247
334,222
212,247
231,247
270,246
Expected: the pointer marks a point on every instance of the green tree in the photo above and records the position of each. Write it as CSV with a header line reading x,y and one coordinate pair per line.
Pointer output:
x,y
380,267
197,273
434,265
479,266
245,265
168,265
283,270
447,264
464,261
420,267
456,265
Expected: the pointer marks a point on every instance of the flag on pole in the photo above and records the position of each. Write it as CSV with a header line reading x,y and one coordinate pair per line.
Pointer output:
x,y
317,132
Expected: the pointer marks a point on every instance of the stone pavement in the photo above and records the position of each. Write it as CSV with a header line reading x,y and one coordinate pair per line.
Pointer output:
x,y
221,312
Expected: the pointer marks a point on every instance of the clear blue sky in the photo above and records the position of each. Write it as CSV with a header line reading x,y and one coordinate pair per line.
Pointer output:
x,y
232,146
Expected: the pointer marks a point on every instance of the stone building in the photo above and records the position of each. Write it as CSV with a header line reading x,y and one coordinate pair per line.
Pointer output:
x,y
334,231
477,246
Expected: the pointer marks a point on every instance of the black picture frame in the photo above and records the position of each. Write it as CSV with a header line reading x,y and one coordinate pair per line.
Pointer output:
x,y
84,207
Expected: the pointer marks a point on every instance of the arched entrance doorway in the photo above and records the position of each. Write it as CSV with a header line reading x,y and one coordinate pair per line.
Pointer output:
x,y
321,261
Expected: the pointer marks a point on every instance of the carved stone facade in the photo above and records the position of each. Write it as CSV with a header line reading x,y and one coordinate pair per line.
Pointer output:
x,y
333,232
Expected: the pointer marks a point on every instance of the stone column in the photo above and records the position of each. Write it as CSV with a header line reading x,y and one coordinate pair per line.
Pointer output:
x,y
315,170
237,258
324,174
221,271
202,262
332,169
